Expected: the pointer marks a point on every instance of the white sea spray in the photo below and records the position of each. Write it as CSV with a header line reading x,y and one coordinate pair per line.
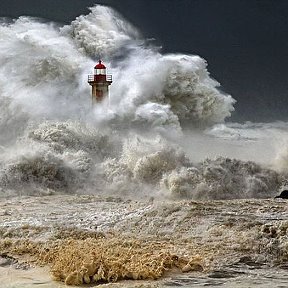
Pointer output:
x,y
51,138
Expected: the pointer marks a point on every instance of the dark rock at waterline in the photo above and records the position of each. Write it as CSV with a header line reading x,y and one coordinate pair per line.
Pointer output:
x,y
8,261
283,194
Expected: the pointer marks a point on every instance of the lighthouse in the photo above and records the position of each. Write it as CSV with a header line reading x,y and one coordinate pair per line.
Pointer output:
x,y
100,83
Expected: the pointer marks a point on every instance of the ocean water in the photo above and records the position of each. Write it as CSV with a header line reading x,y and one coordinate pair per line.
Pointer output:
x,y
162,140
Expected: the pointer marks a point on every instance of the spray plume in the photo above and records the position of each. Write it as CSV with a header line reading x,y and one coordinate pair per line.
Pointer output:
x,y
50,135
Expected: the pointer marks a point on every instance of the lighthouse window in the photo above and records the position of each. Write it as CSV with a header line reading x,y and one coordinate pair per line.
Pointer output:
x,y
100,71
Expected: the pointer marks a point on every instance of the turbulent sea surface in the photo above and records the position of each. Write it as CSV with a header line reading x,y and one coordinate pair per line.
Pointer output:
x,y
158,167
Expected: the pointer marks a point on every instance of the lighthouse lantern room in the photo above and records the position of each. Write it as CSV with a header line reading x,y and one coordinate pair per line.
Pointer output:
x,y
100,82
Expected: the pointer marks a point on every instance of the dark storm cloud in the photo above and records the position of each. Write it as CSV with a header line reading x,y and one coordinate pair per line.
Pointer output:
x,y
244,41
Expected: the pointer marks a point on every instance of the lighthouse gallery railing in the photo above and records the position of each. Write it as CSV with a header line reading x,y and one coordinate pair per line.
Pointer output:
x,y
92,78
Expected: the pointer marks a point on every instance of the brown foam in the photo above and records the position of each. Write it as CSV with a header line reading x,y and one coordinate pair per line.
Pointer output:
x,y
80,261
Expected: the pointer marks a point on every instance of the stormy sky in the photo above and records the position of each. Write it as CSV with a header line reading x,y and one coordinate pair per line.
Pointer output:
x,y
244,41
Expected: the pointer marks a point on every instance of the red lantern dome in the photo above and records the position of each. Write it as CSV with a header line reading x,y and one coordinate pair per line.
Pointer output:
x,y
100,65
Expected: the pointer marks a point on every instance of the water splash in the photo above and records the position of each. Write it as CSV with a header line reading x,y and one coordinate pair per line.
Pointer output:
x,y
50,134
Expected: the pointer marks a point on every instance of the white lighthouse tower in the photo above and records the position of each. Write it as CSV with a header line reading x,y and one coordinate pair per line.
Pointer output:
x,y
100,83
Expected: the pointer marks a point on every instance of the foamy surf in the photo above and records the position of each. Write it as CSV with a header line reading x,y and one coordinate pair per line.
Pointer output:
x,y
60,145
147,162
182,242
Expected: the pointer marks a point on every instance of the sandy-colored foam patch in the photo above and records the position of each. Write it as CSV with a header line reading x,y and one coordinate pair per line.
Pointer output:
x,y
100,260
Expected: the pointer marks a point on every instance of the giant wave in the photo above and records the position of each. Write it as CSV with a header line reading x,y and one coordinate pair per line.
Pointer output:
x,y
52,141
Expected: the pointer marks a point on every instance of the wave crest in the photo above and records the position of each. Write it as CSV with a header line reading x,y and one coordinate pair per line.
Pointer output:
x,y
102,32
223,178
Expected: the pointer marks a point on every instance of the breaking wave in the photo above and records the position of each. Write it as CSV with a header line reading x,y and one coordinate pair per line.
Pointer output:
x,y
69,157
52,141
49,65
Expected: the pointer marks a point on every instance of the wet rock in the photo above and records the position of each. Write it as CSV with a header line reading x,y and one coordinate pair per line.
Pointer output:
x,y
6,261
283,195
